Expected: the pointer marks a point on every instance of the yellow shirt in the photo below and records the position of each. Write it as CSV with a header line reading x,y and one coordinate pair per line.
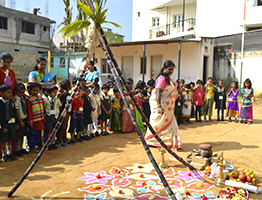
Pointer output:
x,y
210,92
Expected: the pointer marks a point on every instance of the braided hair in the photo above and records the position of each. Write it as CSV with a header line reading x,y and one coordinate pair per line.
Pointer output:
x,y
167,64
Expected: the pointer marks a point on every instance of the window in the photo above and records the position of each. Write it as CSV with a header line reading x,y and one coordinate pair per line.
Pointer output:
x,y
3,23
45,28
17,50
28,27
177,20
141,66
155,21
52,62
62,62
259,2
105,67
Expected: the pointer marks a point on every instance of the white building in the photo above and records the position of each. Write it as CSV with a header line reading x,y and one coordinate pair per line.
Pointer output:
x,y
158,23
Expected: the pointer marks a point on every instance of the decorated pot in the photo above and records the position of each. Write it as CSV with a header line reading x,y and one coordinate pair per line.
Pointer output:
x,y
205,150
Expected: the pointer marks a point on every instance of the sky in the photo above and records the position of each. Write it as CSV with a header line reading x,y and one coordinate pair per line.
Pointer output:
x,y
119,11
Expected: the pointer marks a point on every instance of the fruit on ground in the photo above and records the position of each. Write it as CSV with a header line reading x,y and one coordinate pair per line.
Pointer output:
x,y
249,178
242,177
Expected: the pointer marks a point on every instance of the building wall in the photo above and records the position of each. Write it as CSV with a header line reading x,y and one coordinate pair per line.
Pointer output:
x,y
191,68
227,57
142,24
14,32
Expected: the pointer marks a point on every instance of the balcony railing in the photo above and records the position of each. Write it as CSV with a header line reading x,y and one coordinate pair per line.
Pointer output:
x,y
170,29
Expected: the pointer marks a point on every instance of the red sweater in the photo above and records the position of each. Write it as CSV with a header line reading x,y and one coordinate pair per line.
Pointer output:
x,y
77,103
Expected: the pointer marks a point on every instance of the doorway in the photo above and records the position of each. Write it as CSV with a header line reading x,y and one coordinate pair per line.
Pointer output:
x,y
205,69
156,65
127,66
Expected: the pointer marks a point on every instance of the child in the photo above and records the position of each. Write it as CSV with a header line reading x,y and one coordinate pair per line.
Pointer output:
x,y
62,140
21,111
44,90
87,113
182,85
187,104
139,86
60,91
209,99
127,124
178,106
76,122
115,118
232,106
8,122
192,85
150,86
52,107
130,83
139,98
35,117
220,99
246,112
106,105
199,97
96,109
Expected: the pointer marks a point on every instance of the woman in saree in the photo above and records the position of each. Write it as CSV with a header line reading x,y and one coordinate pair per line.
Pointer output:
x,y
39,74
162,104
92,76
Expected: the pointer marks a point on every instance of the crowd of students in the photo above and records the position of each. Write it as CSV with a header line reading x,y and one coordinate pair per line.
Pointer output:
x,y
197,102
36,108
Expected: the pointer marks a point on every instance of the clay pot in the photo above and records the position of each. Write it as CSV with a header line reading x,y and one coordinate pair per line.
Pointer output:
x,y
205,150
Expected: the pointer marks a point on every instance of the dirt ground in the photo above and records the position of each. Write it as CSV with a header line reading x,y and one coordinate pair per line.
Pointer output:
x,y
59,170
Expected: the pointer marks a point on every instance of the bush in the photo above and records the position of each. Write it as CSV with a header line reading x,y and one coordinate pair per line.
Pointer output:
x,y
228,81
260,95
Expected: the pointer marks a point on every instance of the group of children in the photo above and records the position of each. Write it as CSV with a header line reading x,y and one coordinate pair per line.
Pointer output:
x,y
36,108
35,114
194,102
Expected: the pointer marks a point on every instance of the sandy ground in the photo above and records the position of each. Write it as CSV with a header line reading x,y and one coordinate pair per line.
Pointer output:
x,y
59,170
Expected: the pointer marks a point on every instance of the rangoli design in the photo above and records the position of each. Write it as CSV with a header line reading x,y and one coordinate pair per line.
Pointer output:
x,y
43,196
148,197
121,182
168,172
118,171
149,186
198,186
122,193
189,176
142,177
146,168
95,188
97,197
100,177
208,195
172,182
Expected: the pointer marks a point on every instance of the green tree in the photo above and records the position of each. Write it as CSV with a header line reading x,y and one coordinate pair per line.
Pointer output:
x,y
113,37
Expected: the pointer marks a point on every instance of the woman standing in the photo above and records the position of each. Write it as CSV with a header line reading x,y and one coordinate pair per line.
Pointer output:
x,y
92,76
7,76
162,104
39,74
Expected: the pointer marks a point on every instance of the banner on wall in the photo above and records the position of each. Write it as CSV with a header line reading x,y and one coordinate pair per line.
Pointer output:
x,y
72,67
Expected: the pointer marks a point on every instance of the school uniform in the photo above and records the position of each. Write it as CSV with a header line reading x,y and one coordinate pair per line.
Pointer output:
x,y
20,105
77,116
8,120
51,106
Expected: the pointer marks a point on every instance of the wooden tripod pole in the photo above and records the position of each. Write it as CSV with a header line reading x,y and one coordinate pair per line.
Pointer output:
x,y
111,55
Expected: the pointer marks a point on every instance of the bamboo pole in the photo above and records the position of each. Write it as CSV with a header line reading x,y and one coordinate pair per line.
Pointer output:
x,y
131,114
138,107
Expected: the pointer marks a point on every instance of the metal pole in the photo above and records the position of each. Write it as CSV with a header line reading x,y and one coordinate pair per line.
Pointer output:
x,y
144,62
179,58
49,61
242,46
183,18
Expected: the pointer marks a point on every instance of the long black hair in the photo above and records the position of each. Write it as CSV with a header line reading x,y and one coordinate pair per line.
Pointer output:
x,y
38,60
167,64
6,55
248,81
236,83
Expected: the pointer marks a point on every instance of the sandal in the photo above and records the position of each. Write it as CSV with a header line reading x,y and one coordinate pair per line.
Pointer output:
x,y
179,149
236,120
230,120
